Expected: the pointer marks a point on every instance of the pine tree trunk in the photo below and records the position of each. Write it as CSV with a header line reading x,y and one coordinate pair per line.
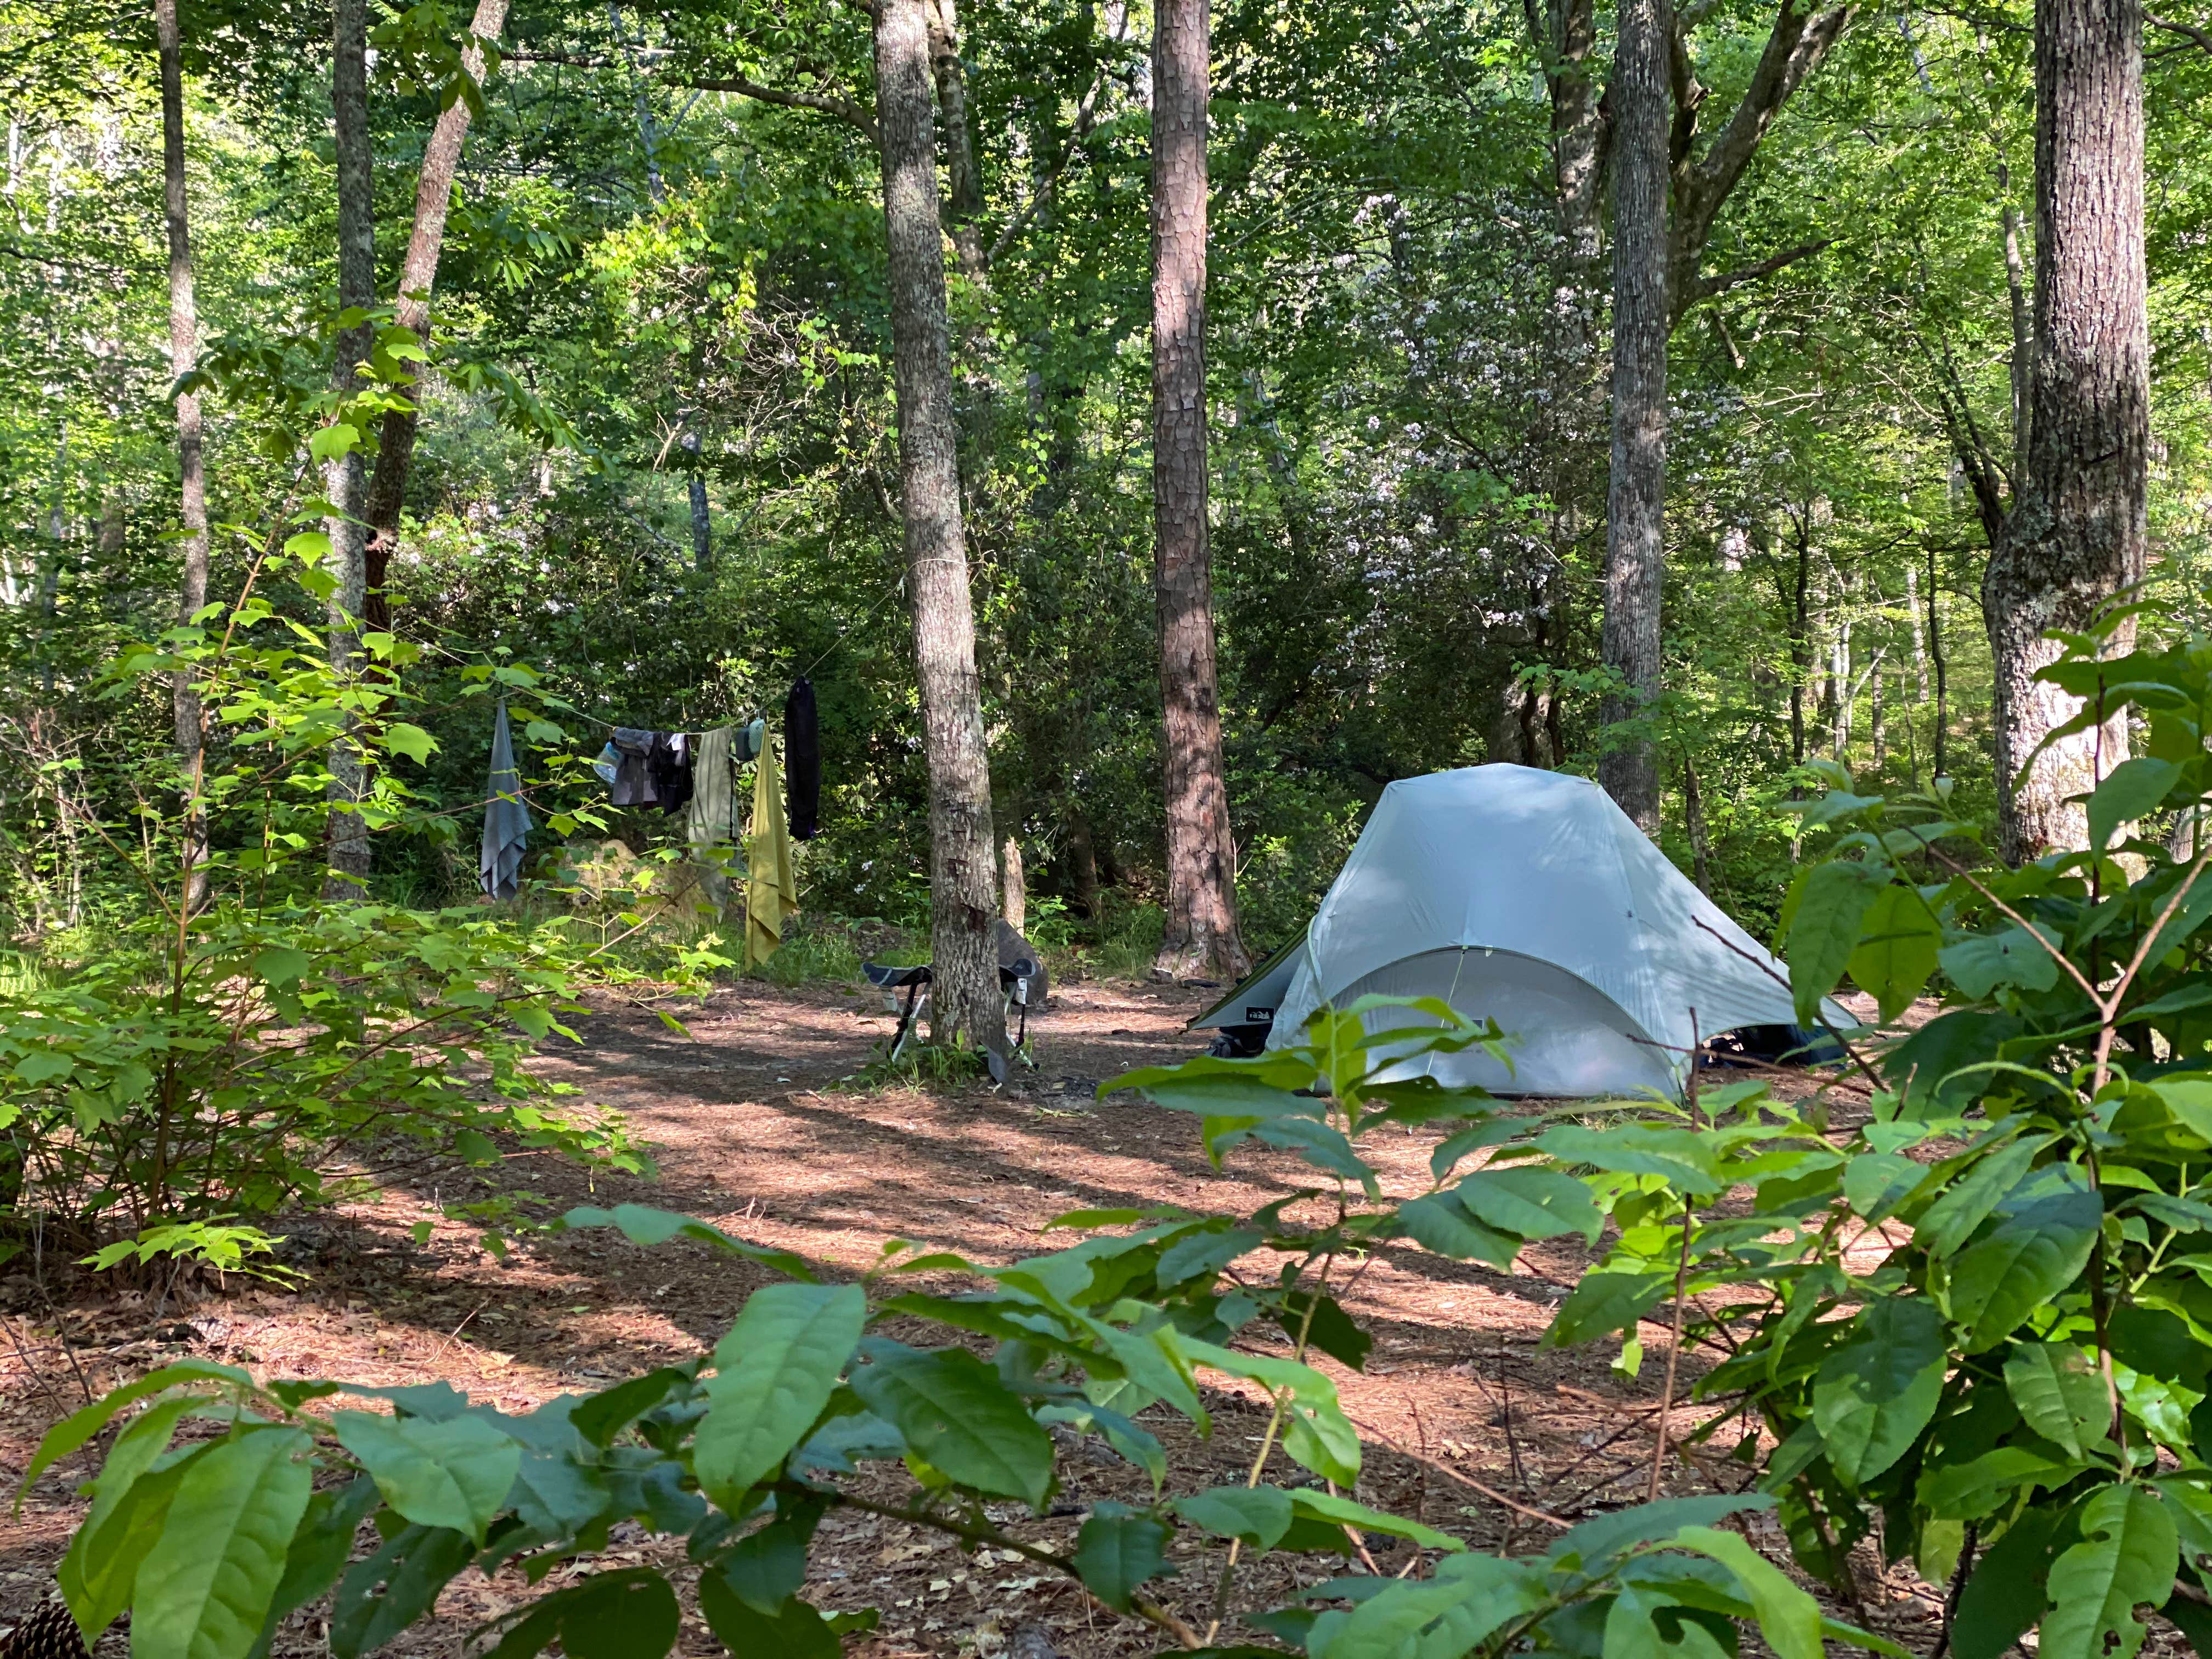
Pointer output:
x,y
342,474
1636,501
1200,938
183,358
963,906
2077,533
418,275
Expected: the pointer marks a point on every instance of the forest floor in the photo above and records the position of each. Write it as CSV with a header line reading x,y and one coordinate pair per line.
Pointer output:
x,y
756,1130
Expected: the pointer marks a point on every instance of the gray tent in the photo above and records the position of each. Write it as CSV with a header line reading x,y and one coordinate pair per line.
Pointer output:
x,y
1527,898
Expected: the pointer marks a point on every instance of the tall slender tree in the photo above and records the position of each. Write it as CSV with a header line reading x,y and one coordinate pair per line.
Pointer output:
x,y
964,898
2077,532
418,275
1201,936
342,473
1636,499
184,360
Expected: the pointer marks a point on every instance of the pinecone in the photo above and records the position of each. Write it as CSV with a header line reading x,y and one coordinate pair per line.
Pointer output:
x,y
49,1633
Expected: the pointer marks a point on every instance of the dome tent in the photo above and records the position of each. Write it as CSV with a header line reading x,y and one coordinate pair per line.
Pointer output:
x,y
1527,898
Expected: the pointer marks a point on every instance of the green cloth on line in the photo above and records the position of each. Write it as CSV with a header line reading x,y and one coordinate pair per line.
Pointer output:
x,y
771,889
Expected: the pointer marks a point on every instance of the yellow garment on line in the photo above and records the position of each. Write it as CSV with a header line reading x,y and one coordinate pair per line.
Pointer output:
x,y
771,889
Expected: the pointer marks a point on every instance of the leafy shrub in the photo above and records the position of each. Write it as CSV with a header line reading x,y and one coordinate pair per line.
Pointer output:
x,y
220,1054
742,1452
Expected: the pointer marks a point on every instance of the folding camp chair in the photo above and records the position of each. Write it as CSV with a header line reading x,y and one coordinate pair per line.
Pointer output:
x,y
1022,982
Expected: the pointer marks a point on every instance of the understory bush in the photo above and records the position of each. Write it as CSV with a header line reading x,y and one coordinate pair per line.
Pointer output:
x,y
249,1033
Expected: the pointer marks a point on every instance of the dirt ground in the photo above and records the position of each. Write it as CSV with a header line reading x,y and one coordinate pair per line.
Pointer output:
x,y
754,1133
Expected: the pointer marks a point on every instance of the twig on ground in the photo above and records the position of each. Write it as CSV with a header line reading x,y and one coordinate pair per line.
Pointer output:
x,y
1467,1480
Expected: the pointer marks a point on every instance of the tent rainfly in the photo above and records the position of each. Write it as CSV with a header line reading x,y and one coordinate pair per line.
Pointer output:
x,y
1527,898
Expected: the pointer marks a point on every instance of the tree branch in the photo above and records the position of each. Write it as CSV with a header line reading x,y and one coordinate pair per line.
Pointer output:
x,y
821,102
2188,32
1704,288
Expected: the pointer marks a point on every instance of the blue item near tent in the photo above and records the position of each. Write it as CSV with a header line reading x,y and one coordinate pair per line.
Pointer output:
x,y
506,820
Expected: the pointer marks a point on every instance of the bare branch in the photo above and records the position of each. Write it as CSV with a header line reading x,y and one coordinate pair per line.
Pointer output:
x,y
2188,32
822,102
1704,288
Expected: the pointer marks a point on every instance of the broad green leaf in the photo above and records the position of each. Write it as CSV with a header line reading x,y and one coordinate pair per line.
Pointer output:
x,y
454,1473
1631,1629
1603,1302
80,1425
1437,1221
1590,1548
1681,1157
1877,1393
381,1597
1342,1512
2128,791
2126,1559
773,1373
1258,1515
1787,1618
281,965
1876,1183
1326,1326
1972,1197
2060,1396
795,1631
629,1614
1981,963
44,1066
203,1589
318,1552
1117,1550
957,1417
640,1223
1315,1432
411,741
1832,900
2004,1595
1531,1201
1899,937
2027,1260
98,1575
1969,1490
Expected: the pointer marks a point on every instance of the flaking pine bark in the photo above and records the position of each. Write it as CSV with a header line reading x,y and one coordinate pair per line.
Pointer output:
x,y
1201,937
2075,533
963,900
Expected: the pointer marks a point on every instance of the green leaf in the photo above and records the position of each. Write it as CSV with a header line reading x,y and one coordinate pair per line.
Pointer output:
x,y
1343,1512
795,1631
1328,1328
1315,1432
629,1613
43,1066
1680,1157
1787,1618
100,1570
333,440
1603,1302
2060,1396
2126,1559
1117,1550
381,1597
454,1473
1877,1393
775,1372
1258,1515
203,1589
1876,1183
80,1425
1898,939
957,1417
411,741
1969,1490
2004,1595
1531,1201
1978,964
640,1223
318,1552
1972,1197
281,965
2128,791
1631,1628
1832,901
2027,1260
1437,1221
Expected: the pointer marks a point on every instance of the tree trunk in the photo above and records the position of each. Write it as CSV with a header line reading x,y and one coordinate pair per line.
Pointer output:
x,y
1937,741
1200,940
1082,866
1800,638
184,360
1013,882
418,275
2076,534
964,178
964,906
1636,501
341,474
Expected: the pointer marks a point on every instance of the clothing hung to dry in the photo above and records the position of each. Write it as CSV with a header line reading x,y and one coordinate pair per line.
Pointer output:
x,y
506,820
802,759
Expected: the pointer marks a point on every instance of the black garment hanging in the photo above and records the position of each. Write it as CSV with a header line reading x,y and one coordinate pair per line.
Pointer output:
x,y
633,779
802,762
670,763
